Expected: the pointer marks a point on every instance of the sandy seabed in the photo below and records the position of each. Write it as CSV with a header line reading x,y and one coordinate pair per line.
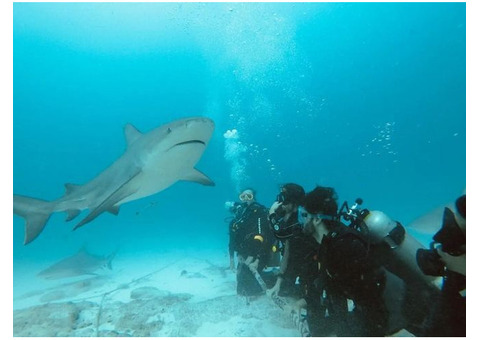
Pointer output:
x,y
165,294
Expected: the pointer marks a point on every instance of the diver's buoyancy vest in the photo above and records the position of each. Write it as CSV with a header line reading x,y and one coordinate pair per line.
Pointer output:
x,y
251,225
347,255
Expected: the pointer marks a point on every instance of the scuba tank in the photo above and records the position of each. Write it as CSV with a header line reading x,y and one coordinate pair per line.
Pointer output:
x,y
398,248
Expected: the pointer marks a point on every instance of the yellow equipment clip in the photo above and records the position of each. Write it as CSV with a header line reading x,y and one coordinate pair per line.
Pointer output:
x,y
259,238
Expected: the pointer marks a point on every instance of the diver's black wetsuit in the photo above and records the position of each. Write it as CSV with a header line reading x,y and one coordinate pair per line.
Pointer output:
x,y
300,260
295,247
346,270
250,235
449,311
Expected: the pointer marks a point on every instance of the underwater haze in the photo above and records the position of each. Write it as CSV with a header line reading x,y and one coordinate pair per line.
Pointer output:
x,y
368,98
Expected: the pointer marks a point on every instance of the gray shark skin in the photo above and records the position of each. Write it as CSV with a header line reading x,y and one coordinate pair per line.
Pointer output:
x,y
430,223
152,162
82,263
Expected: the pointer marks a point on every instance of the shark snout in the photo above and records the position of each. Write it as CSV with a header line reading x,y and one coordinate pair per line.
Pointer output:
x,y
200,120
202,127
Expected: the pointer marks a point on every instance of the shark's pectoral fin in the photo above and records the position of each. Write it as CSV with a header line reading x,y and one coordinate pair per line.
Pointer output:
x,y
198,177
72,213
114,210
110,203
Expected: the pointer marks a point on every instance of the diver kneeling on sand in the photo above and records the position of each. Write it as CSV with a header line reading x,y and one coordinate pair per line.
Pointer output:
x,y
346,269
290,240
250,238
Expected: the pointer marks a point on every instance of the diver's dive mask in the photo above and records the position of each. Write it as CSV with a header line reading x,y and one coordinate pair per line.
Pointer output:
x,y
304,215
246,196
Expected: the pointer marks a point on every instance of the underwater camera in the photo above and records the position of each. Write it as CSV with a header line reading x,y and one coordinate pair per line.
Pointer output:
x,y
450,238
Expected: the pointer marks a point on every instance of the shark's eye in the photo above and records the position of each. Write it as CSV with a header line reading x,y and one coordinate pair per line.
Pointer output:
x,y
169,130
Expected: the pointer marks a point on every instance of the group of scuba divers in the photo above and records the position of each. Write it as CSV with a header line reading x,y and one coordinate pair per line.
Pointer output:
x,y
353,271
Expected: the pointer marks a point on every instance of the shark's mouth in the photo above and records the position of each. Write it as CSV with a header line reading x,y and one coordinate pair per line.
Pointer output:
x,y
193,141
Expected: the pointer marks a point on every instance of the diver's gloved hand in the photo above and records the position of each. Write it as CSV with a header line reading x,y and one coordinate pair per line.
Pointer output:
x,y
275,289
253,266
274,207
297,306
229,205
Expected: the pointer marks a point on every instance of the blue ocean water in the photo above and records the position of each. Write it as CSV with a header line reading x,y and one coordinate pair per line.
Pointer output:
x,y
366,97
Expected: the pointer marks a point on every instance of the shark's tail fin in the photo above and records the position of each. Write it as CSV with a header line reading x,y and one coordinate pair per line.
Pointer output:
x,y
35,212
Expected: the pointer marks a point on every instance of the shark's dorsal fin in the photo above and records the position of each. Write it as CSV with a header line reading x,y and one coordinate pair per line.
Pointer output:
x,y
198,177
131,134
70,188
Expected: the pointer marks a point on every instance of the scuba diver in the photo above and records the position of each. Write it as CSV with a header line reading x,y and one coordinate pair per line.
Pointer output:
x,y
237,209
447,258
250,238
408,292
346,269
283,217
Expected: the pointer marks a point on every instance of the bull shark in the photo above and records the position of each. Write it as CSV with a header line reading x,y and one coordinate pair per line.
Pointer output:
x,y
82,263
152,162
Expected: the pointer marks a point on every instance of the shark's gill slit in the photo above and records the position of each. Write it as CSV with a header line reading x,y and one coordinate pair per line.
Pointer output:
x,y
195,141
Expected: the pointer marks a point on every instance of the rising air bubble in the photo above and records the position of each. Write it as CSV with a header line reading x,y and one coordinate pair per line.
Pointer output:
x,y
235,154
